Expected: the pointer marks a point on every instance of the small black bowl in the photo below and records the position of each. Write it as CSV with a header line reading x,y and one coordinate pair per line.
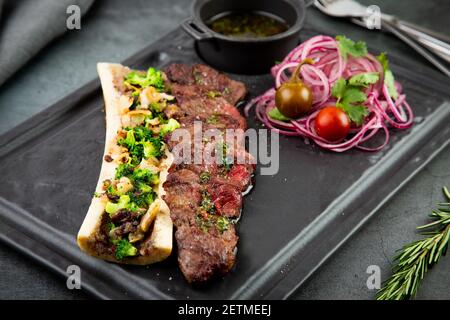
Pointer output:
x,y
244,55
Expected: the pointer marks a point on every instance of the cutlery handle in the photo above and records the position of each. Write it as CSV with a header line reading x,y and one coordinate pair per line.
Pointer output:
x,y
392,28
439,47
412,27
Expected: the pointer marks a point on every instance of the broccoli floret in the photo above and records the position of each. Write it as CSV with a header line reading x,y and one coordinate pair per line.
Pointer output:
x,y
143,199
170,126
125,249
157,107
112,207
124,169
142,133
145,188
152,148
151,78
144,176
129,141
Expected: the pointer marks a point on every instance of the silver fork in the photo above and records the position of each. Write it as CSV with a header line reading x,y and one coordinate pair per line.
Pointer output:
x,y
406,31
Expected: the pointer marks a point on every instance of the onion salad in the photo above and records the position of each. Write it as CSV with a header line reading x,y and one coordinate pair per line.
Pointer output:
x,y
344,75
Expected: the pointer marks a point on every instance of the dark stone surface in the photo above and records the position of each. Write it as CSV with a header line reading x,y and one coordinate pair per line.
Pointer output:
x,y
115,29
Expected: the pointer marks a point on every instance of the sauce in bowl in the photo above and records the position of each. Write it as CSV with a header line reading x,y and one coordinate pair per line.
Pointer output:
x,y
247,24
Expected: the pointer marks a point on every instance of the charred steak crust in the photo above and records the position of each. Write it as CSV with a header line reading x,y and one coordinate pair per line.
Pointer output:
x,y
204,198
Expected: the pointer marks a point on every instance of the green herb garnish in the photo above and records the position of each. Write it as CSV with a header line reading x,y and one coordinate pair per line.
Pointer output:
x,y
205,176
275,114
389,80
349,98
206,203
350,47
222,224
364,79
224,160
414,259
214,94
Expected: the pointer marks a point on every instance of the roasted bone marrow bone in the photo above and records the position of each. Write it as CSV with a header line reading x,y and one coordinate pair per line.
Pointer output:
x,y
128,221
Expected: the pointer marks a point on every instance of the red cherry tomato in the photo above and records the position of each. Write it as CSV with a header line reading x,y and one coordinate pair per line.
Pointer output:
x,y
332,124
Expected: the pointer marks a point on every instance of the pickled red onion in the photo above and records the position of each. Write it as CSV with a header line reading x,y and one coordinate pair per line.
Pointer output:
x,y
329,66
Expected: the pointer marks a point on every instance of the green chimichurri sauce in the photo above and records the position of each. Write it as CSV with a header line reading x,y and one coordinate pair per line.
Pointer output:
x,y
248,25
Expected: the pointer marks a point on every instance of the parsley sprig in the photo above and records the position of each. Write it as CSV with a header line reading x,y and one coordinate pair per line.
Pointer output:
x,y
414,259
350,96
389,80
350,47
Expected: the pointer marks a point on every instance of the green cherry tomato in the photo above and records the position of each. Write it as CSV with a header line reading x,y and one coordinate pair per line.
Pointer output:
x,y
294,98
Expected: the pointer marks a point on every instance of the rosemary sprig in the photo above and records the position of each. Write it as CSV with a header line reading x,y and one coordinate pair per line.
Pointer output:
x,y
414,259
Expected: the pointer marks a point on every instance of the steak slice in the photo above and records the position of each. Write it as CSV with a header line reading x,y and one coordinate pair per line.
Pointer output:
x,y
205,107
206,80
183,196
203,255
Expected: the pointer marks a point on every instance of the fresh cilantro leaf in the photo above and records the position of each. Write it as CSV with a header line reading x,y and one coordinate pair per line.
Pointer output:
x,y
382,58
350,47
389,79
353,95
348,97
339,88
275,114
364,79
356,113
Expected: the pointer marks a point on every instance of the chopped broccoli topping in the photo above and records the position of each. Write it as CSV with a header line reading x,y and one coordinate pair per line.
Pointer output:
x,y
112,207
125,249
170,126
152,148
142,133
141,143
144,176
124,169
142,199
151,78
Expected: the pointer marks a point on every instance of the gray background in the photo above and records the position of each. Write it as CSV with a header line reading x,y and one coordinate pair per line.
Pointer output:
x,y
113,30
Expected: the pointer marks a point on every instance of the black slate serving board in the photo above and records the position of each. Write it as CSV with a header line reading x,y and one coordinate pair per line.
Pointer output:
x,y
292,221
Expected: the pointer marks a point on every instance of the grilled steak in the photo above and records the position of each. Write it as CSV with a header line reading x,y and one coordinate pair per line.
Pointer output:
x,y
206,197
199,80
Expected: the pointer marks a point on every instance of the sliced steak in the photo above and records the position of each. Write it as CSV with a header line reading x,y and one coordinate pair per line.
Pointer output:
x,y
206,80
206,107
203,255
204,197
227,199
183,196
